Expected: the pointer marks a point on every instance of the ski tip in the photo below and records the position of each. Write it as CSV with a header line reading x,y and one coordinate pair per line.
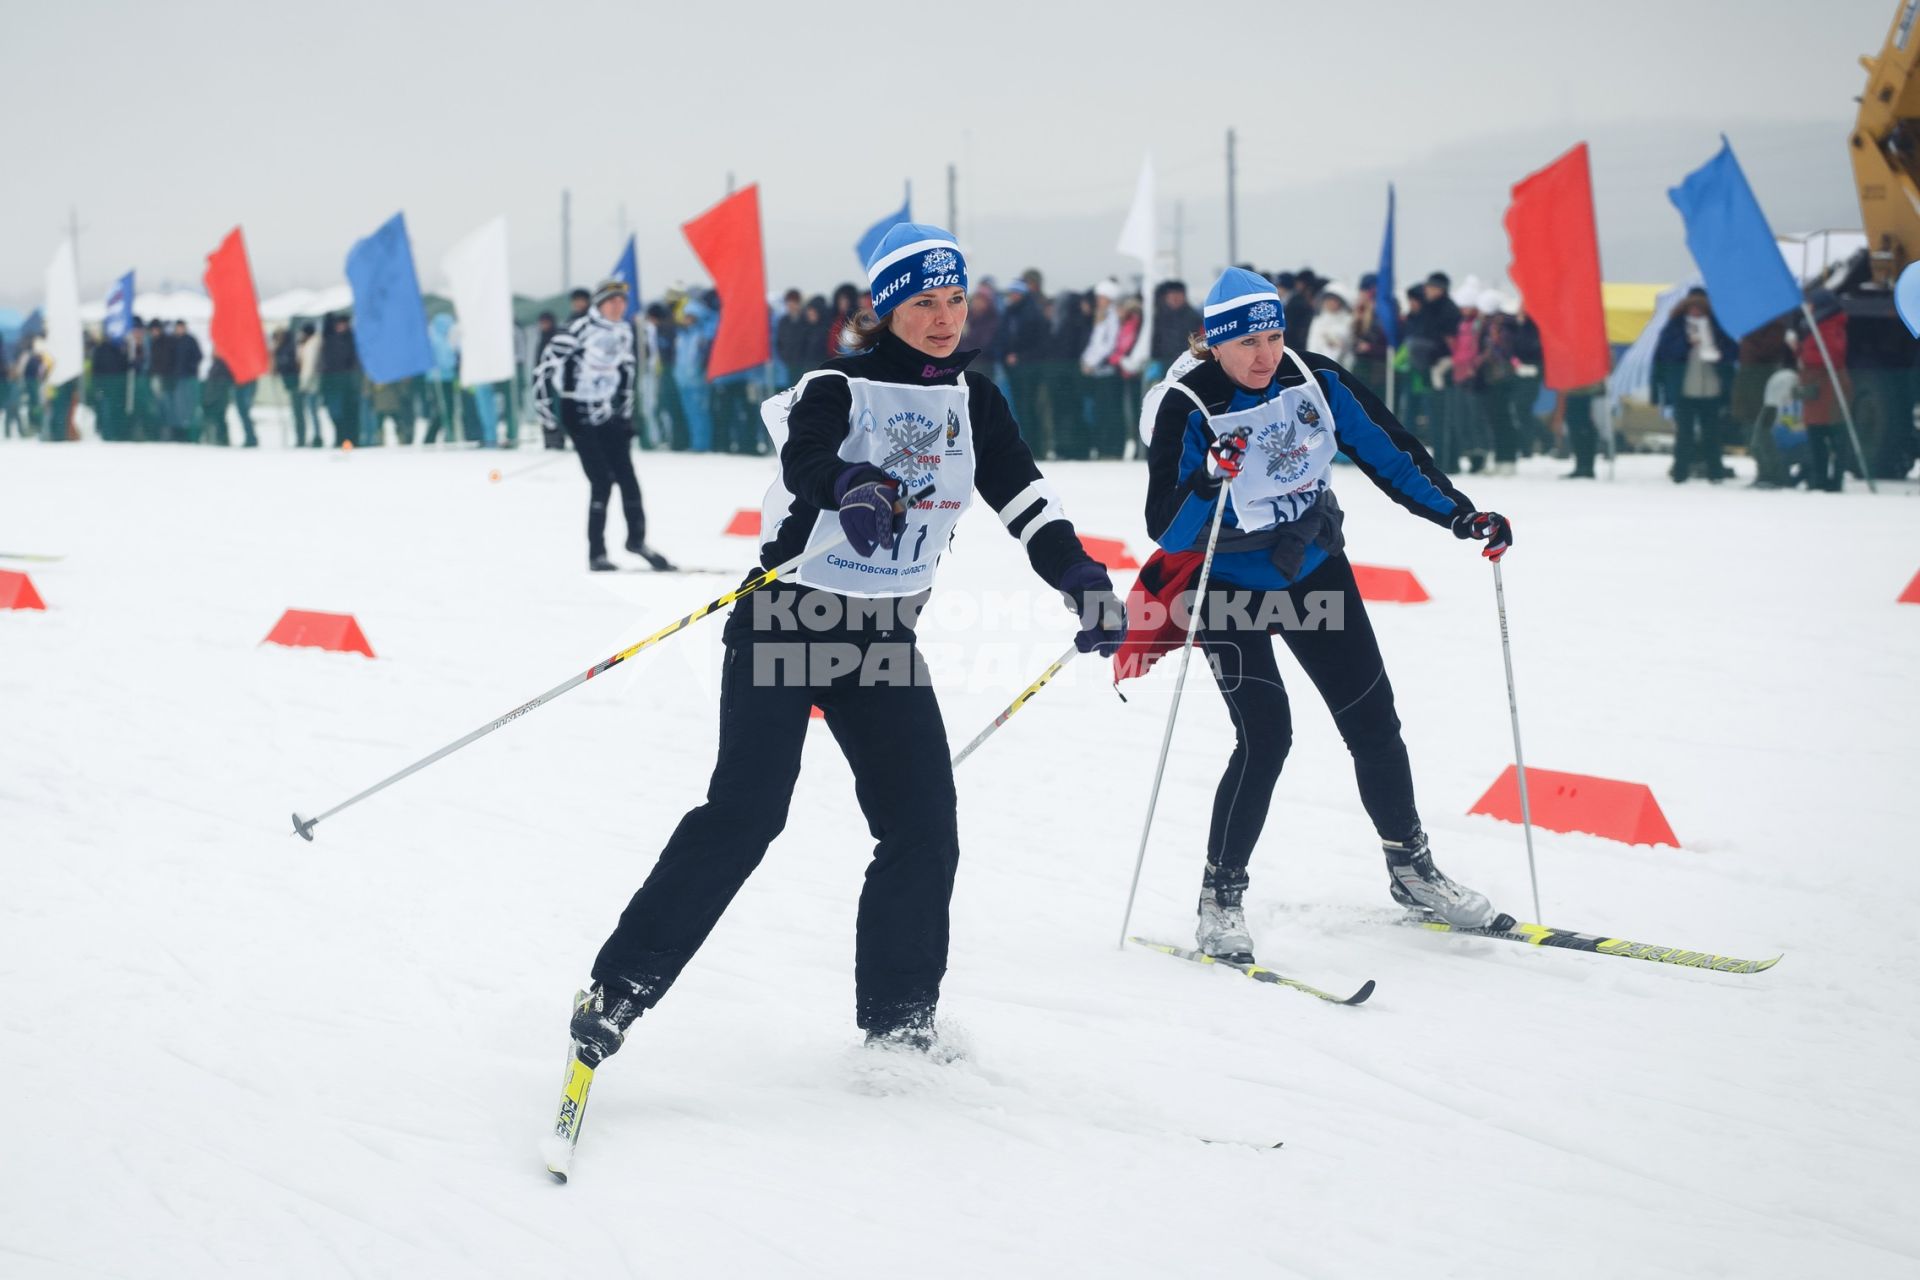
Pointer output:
x,y
303,827
1360,996
558,1175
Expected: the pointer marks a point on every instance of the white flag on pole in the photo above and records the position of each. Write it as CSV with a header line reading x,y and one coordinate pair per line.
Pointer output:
x,y
1140,238
476,271
62,315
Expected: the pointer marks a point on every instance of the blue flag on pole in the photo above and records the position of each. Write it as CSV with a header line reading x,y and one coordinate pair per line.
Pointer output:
x,y
1386,299
1734,248
389,320
871,240
628,269
119,317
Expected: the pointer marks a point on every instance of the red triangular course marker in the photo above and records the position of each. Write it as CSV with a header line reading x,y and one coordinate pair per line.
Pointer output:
x,y
16,591
303,629
1110,552
1912,594
1624,811
745,523
1389,586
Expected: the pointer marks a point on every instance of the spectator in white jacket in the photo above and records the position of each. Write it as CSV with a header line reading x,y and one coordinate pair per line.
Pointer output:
x,y
1331,333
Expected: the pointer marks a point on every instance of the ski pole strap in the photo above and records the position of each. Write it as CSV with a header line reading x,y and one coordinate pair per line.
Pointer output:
x,y
1052,670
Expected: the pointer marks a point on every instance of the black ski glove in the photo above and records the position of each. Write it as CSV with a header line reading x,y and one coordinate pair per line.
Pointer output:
x,y
1489,527
1088,591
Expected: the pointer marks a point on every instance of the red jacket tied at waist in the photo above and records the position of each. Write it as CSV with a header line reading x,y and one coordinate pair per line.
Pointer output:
x,y
1154,627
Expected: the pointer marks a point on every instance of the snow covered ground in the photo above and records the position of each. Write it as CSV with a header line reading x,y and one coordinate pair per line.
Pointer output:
x,y
225,1052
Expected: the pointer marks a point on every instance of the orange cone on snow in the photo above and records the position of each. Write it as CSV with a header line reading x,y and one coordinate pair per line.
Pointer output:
x,y
1623,811
303,629
745,523
1110,552
1389,586
16,591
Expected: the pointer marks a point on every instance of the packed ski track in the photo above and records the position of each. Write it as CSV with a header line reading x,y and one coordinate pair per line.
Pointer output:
x,y
226,1051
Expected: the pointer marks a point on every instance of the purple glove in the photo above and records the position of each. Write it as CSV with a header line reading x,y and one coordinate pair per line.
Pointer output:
x,y
868,515
1103,619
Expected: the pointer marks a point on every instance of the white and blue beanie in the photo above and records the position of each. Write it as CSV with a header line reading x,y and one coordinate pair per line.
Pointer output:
x,y
1241,303
912,258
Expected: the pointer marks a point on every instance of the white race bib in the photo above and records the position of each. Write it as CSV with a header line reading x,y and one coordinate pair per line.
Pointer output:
x,y
1290,445
887,417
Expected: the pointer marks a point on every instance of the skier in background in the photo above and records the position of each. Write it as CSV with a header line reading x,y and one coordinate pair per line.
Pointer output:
x,y
908,401
585,387
1249,422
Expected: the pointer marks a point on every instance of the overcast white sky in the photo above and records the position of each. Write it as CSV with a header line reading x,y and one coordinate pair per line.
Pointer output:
x,y
165,123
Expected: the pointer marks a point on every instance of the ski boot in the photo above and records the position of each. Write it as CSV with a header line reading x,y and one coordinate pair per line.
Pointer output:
x,y
637,540
601,1017
598,563
1420,886
658,562
1222,930
908,1029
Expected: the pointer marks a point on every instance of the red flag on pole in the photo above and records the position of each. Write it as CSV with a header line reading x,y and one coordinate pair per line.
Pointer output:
x,y
727,240
235,327
1556,264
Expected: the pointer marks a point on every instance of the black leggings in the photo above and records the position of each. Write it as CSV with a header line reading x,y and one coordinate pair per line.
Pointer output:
x,y
893,738
606,455
1344,664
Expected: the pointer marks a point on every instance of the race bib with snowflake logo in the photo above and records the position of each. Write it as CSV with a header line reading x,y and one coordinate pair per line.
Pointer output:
x,y
1290,445
931,427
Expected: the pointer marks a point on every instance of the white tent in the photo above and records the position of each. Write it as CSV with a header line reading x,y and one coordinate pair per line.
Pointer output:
x,y
282,307
1810,253
175,304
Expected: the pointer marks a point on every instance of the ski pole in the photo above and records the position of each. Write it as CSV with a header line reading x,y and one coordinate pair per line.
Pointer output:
x,y
1519,759
1173,710
304,826
1073,651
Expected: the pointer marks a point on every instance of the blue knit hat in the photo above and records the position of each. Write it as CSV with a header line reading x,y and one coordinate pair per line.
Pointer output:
x,y
912,258
1241,303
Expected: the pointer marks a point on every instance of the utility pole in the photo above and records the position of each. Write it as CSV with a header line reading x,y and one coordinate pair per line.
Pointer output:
x,y
953,200
566,240
1179,235
1233,210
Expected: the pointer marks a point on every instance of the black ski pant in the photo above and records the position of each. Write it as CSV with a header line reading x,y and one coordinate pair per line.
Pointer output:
x,y
1582,439
1334,644
886,720
1696,437
606,455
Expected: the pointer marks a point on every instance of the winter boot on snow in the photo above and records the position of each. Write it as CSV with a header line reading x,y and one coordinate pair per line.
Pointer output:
x,y
1420,886
637,539
601,1018
658,562
913,1032
1222,930
597,538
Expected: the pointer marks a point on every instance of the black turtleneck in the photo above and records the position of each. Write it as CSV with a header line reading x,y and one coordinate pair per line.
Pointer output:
x,y
810,461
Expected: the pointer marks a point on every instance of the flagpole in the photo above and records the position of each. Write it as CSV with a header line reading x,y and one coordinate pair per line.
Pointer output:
x,y
1840,394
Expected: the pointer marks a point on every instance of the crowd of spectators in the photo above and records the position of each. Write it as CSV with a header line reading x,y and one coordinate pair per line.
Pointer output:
x,y
1464,375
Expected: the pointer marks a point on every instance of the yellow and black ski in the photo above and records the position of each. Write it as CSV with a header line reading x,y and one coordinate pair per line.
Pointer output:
x,y
1257,972
1539,935
559,1145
